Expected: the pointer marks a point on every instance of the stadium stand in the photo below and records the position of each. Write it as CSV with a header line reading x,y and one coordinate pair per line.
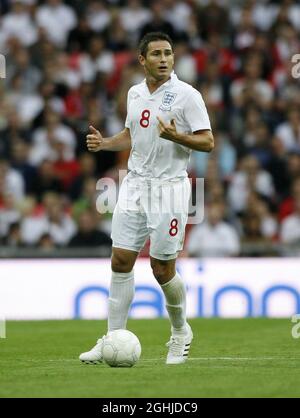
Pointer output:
x,y
70,64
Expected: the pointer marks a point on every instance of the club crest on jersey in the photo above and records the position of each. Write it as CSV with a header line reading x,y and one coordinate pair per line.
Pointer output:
x,y
167,101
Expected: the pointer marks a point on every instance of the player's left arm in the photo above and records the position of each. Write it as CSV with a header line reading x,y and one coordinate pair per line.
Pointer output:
x,y
201,140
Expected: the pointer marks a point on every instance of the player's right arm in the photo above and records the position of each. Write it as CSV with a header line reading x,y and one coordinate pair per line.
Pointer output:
x,y
119,142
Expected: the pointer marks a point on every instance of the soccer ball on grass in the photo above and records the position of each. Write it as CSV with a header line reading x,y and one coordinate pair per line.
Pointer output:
x,y
121,348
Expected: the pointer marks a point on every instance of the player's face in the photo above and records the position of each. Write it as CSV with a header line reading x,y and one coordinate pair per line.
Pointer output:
x,y
159,60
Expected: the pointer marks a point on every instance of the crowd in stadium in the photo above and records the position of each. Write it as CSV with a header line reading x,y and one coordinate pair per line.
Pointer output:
x,y
70,64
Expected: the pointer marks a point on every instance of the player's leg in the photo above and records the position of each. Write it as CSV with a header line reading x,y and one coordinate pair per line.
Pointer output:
x,y
174,290
167,236
121,293
121,290
175,294
129,233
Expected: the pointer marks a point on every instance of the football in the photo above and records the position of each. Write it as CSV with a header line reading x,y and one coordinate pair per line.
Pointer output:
x,y
121,348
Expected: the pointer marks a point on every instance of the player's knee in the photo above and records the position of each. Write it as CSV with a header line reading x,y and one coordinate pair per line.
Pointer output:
x,y
162,272
120,264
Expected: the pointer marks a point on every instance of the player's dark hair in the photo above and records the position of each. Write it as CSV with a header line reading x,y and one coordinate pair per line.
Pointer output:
x,y
151,37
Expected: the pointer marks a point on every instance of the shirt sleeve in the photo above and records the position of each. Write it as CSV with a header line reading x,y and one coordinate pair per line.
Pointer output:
x,y
195,112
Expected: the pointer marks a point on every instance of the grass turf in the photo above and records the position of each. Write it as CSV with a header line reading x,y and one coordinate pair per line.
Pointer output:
x,y
228,358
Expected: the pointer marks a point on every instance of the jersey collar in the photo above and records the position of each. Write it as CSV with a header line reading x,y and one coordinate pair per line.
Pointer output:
x,y
173,78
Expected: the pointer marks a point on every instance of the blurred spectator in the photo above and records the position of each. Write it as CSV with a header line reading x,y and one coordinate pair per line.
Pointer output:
x,y
185,65
290,228
64,73
98,61
45,137
12,132
212,88
260,147
289,132
264,14
278,169
30,75
293,166
58,224
88,234
258,212
158,22
46,243
64,169
46,181
288,205
80,37
13,238
249,178
9,213
70,64
288,87
18,24
213,17
252,89
12,182
119,42
133,17
244,30
57,19
28,105
20,162
213,237
178,13
224,154
286,43
87,198
87,169
97,15
215,50
253,236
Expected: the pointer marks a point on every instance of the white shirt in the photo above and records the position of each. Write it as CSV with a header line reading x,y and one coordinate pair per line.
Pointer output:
x,y
290,229
239,190
152,156
133,19
262,88
42,148
7,217
28,106
32,229
290,140
213,241
14,184
89,68
179,16
20,26
57,21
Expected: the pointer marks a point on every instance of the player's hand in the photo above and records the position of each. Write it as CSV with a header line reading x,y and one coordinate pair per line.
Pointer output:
x,y
94,140
167,131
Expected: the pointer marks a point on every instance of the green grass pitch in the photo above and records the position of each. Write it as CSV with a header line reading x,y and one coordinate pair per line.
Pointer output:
x,y
228,358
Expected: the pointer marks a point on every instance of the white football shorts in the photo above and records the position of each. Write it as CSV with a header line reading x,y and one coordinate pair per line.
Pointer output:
x,y
151,208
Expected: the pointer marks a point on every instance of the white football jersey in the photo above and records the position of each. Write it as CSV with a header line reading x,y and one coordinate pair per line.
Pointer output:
x,y
152,156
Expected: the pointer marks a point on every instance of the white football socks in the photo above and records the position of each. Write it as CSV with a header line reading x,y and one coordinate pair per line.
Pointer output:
x,y
175,294
121,294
